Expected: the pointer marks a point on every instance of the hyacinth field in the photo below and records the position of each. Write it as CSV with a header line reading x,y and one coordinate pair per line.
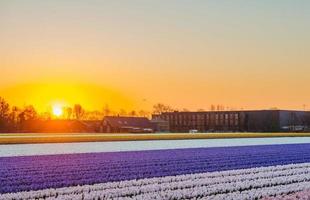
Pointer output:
x,y
248,172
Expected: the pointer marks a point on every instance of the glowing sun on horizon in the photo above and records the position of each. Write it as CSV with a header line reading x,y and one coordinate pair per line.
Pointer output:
x,y
57,110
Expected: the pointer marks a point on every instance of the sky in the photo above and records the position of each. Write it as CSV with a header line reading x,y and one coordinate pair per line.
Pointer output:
x,y
132,54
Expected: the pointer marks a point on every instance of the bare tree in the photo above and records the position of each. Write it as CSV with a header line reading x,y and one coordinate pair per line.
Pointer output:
x,y
143,113
4,108
78,111
212,107
68,112
218,107
93,115
4,114
13,119
46,115
161,108
28,113
106,110
132,113
122,112
14,114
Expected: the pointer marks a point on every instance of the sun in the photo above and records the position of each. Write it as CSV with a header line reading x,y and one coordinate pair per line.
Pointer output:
x,y
57,110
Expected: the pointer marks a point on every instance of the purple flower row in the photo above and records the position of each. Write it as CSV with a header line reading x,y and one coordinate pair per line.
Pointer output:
x,y
55,171
253,183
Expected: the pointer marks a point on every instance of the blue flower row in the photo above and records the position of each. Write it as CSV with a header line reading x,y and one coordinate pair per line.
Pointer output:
x,y
56,171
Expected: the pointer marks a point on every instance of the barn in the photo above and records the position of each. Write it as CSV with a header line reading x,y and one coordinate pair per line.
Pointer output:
x,y
118,124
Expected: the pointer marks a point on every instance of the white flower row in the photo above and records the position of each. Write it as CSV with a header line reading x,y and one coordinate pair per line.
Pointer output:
x,y
254,182
264,193
223,190
303,195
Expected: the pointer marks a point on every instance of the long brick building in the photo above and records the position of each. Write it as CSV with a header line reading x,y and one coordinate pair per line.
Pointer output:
x,y
237,121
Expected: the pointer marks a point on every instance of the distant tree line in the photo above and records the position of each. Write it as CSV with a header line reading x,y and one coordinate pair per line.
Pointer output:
x,y
13,117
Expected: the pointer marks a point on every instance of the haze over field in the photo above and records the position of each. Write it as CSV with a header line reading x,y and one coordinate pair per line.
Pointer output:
x,y
133,54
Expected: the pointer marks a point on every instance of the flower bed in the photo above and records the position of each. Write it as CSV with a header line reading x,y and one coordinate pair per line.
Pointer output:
x,y
232,184
223,173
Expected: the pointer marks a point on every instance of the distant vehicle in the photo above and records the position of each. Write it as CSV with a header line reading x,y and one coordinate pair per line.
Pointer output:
x,y
193,131
297,128
148,130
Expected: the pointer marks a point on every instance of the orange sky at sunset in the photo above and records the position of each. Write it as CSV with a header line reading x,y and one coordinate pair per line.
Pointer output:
x,y
131,55
46,95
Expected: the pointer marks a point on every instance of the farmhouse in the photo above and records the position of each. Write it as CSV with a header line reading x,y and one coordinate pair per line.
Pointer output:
x,y
55,126
117,124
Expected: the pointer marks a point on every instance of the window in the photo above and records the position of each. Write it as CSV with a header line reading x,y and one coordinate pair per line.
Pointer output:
x,y
216,119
